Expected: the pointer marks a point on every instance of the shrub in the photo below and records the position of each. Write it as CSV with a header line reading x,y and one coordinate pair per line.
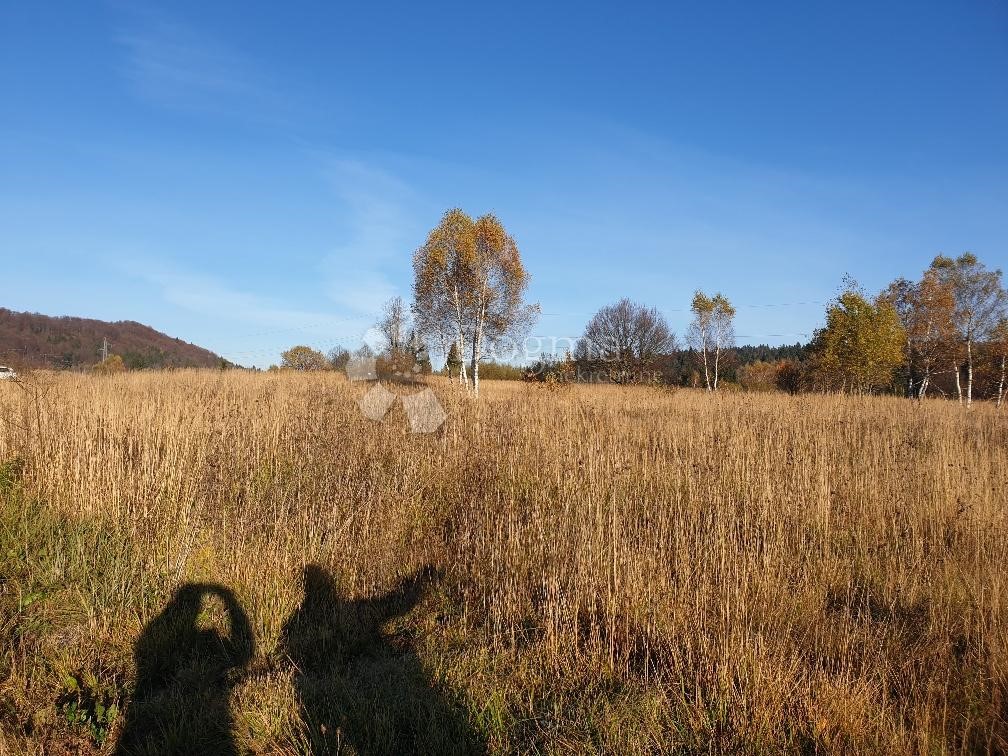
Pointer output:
x,y
758,376
110,365
304,358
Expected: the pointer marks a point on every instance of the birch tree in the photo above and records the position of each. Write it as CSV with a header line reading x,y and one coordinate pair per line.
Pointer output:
x,y
999,344
498,280
711,333
925,311
469,281
393,325
980,304
441,283
933,332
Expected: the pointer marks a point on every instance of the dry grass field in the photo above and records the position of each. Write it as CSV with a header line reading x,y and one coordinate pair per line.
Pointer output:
x,y
231,562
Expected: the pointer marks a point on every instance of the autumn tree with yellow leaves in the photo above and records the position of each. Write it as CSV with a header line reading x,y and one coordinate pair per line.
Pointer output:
x,y
925,309
711,333
980,303
468,288
304,359
861,344
999,349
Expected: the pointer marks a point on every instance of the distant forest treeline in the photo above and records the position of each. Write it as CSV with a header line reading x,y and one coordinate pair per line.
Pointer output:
x,y
678,367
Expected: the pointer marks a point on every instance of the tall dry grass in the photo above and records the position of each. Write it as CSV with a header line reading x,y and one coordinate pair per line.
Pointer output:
x,y
620,570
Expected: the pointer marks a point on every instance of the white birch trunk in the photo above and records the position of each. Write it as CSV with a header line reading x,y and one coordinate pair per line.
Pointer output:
x,y
463,381
717,359
969,372
475,368
706,373
909,347
478,347
1001,383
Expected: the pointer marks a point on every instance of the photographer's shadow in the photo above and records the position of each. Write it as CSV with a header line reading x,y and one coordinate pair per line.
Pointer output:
x,y
184,678
361,689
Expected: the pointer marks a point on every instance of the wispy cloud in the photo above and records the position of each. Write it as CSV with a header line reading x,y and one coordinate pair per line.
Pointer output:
x,y
368,263
173,65
208,296
380,212
359,290
248,319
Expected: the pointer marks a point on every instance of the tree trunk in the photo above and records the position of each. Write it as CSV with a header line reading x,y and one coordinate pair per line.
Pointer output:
x,y
463,381
969,372
1001,383
910,391
958,370
474,366
706,373
443,344
476,350
923,387
717,359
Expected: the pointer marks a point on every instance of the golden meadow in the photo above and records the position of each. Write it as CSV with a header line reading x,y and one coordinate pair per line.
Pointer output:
x,y
585,569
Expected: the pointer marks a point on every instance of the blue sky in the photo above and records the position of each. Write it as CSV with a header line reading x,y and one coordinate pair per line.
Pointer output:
x,y
248,176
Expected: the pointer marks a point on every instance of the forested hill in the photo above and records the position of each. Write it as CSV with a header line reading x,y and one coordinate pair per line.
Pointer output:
x,y
67,342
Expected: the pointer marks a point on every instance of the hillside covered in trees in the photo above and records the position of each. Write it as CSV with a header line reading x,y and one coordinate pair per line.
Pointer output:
x,y
68,342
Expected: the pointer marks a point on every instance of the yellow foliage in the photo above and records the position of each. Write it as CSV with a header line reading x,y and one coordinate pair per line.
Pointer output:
x,y
110,365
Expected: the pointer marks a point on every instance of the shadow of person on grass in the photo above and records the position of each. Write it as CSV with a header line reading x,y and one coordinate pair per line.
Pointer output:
x,y
360,688
184,677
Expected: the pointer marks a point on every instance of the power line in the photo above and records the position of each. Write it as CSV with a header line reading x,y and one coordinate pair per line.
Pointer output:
x,y
687,309
308,326
372,317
